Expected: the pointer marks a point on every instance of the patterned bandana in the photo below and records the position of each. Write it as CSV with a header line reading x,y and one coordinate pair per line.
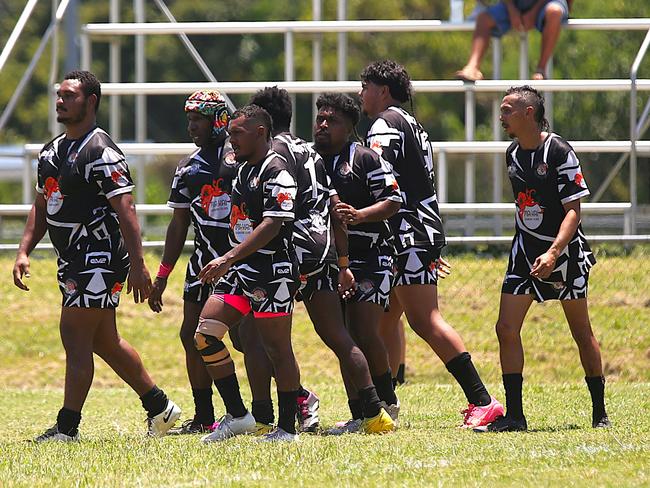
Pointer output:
x,y
211,104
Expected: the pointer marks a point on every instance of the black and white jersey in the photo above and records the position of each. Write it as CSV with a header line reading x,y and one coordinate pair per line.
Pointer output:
x,y
312,234
203,184
543,180
362,178
77,177
402,141
266,189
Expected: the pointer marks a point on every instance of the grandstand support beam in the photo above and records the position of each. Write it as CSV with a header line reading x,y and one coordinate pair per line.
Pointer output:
x,y
11,105
470,160
523,56
497,159
290,71
54,72
317,52
115,74
15,34
442,177
633,130
140,104
342,43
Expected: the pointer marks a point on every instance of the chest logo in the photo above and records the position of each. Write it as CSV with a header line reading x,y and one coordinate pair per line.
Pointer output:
x,y
541,170
229,160
317,223
512,171
344,169
53,195
193,169
214,200
240,223
530,213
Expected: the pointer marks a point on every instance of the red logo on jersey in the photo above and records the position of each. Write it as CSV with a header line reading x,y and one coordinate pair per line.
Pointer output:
x,y
579,179
51,186
117,287
118,177
283,197
395,185
376,146
208,192
525,200
237,214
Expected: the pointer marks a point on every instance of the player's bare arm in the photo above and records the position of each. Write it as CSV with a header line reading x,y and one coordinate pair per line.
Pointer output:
x,y
174,242
35,229
347,284
261,236
374,213
139,280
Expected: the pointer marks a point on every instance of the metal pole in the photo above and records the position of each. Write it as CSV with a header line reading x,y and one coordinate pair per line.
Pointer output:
x,y
140,107
548,96
523,56
86,51
289,71
497,159
317,52
54,73
342,47
15,34
71,27
114,56
442,177
470,161
27,178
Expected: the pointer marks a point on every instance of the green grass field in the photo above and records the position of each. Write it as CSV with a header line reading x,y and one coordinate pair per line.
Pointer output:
x,y
560,449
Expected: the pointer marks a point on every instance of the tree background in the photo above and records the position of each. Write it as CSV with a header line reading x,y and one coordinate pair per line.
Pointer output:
x,y
579,54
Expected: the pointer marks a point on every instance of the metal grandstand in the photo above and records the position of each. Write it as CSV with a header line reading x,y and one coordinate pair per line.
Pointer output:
x,y
111,31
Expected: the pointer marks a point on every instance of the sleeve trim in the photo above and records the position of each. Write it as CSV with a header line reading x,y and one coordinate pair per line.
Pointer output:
x,y
178,205
120,191
575,196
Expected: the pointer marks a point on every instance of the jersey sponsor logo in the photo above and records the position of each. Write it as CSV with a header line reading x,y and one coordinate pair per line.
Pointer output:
x,y
317,222
344,169
119,178
101,259
580,180
72,157
214,200
259,295
254,182
70,287
366,286
557,285
512,171
282,269
541,170
285,200
376,146
529,210
385,262
240,223
53,195
116,290
193,169
229,159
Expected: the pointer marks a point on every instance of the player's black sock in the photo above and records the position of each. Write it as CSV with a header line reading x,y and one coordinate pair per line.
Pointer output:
x,y
262,410
370,401
512,383
400,374
302,392
203,409
154,401
68,421
596,386
229,390
384,385
287,409
356,408
462,368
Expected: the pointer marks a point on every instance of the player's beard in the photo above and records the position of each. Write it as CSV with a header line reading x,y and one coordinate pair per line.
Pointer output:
x,y
73,120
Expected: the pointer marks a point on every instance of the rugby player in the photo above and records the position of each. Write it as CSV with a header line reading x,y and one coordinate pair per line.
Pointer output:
x,y
399,138
84,201
550,258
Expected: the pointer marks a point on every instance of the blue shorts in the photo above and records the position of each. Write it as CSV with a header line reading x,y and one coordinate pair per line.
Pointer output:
x,y
499,13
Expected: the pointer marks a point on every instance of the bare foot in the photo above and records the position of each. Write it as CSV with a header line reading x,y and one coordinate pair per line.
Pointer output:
x,y
469,74
539,75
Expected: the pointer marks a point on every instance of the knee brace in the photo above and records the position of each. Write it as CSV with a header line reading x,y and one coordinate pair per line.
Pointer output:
x,y
208,341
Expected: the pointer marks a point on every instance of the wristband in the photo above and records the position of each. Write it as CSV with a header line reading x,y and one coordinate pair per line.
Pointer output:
x,y
343,262
164,270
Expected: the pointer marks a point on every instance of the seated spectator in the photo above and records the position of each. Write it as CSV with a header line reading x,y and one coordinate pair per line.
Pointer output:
x,y
547,16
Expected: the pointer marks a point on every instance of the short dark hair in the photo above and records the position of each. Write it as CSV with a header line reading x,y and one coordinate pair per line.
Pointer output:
x,y
342,103
277,103
90,85
528,95
258,115
391,74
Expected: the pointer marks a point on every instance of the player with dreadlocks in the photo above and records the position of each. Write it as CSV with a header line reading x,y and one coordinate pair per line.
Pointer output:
x,y
400,139
200,195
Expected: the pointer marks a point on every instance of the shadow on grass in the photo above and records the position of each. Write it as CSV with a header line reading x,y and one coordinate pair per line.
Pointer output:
x,y
558,428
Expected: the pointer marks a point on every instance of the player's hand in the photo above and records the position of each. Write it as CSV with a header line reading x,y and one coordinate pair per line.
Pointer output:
x,y
139,283
21,268
347,286
214,270
543,266
348,214
528,20
155,297
443,267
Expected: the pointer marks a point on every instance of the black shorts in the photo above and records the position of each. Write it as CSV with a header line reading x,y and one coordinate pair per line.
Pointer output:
x,y
270,282
324,278
416,266
93,279
196,292
373,274
544,290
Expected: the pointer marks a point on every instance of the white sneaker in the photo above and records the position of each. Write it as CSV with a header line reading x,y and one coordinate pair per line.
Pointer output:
x,y
53,435
278,435
158,425
350,427
230,426
307,415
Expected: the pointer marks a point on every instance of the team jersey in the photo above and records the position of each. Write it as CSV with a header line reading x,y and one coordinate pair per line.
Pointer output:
x,y
401,140
362,178
312,234
543,180
266,189
203,184
77,177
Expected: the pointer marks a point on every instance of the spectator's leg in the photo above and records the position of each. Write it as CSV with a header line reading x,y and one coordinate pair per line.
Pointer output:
x,y
480,42
554,14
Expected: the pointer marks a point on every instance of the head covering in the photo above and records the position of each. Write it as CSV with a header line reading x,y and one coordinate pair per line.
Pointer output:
x,y
211,104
